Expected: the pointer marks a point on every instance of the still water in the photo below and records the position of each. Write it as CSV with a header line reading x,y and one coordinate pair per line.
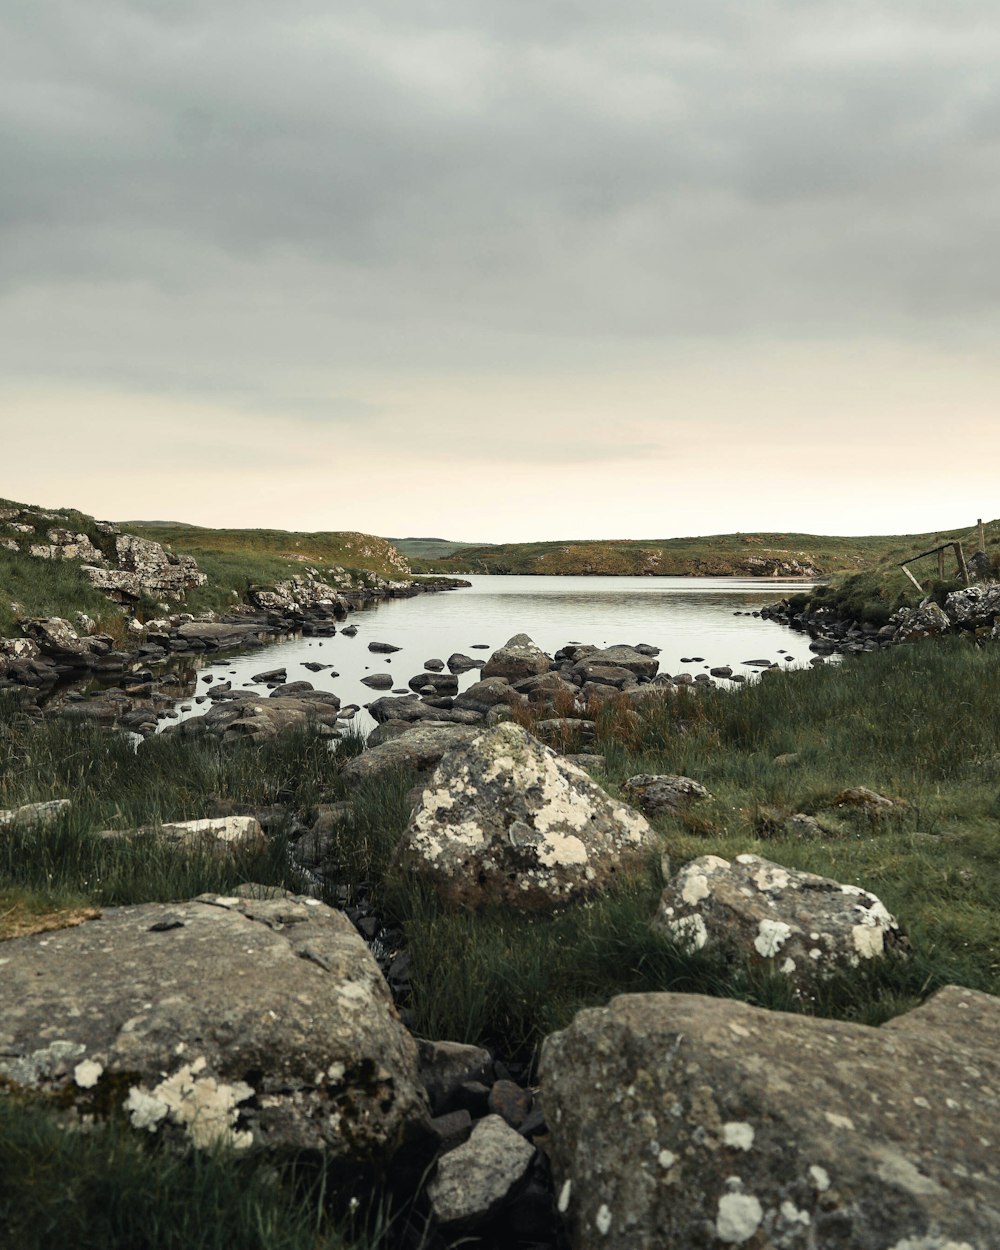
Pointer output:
x,y
691,620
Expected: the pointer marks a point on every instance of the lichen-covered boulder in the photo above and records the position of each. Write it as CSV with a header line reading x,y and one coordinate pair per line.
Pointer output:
x,y
794,922
974,605
659,794
926,621
249,1022
689,1123
518,657
506,820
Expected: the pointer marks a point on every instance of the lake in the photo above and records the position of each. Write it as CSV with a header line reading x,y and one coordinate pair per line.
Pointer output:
x,y
692,620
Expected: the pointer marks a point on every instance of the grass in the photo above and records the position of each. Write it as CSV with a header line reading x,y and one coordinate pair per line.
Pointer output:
x,y
49,588
109,1188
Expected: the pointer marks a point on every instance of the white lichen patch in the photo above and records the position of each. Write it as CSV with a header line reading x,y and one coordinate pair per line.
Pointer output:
x,y
791,1214
689,931
738,1218
869,942
666,1159
204,1107
695,888
771,878
839,1121
561,849
771,936
562,1206
820,1177
603,1220
738,1134
88,1073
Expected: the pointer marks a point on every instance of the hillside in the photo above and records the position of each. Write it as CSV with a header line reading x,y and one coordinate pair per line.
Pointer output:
x,y
720,555
429,548
44,552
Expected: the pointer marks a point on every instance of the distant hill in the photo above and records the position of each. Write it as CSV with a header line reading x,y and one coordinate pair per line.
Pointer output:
x,y
427,548
719,555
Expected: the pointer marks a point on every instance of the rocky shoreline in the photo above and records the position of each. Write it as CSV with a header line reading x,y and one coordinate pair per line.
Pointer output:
x,y
973,612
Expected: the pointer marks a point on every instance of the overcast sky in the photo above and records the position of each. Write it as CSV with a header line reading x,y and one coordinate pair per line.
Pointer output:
x,y
502,270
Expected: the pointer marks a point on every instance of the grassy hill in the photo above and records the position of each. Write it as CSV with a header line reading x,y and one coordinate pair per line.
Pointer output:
x,y
773,554
428,548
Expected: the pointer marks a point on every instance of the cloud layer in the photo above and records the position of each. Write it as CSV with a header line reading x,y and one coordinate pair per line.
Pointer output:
x,y
418,233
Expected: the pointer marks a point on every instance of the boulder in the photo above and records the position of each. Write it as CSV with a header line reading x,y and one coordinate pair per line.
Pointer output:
x,y
637,662
416,747
680,1121
476,1179
490,692
663,793
240,714
927,621
57,639
378,681
459,663
507,821
383,648
586,671
793,922
411,708
445,1066
975,605
220,833
518,657
223,1020
440,683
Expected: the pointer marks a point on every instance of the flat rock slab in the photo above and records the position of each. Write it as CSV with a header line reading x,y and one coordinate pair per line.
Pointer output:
x,y
796,923
249,1022
689,1123
475,1180
505,820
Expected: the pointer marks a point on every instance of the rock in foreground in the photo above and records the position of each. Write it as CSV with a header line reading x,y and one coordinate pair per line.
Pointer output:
x,y
795,922
689,1123
505,820
249,1022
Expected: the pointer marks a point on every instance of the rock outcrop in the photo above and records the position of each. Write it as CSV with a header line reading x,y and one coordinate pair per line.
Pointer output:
x,y
796,923
692,1123
251,1022
507,821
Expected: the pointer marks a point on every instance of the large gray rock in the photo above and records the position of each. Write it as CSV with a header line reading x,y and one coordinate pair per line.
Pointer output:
x,y
518,657
144,568
475,1180
250,1022
507,821
796,923
689,1123
420,748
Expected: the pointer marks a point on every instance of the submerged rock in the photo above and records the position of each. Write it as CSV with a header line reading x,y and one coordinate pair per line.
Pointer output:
x,y
679,1121
507,821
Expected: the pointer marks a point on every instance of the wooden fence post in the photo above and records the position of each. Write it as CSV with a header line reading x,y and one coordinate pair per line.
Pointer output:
x,y
962,567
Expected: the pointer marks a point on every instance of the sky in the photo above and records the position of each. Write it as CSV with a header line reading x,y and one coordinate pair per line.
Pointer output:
x,y
503,269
